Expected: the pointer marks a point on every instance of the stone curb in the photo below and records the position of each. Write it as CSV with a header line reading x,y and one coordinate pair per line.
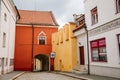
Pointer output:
x,y
73,76
14,77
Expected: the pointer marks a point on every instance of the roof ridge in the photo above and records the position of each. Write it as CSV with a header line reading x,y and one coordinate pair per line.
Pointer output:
x,y
53,18
33,10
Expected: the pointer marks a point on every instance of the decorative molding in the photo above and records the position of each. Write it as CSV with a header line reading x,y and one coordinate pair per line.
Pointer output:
x,y
105,27
42,32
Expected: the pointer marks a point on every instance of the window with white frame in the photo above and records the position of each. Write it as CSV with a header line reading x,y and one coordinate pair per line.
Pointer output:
x,y
5,16
42,40
11,62
94,15
6,61
98,50
118,6
4,39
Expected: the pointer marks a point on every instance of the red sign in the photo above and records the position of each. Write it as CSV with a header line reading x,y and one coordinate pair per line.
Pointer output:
x,y
102,42
94,44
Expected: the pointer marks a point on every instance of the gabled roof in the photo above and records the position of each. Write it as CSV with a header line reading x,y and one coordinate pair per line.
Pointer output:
x,y
37,17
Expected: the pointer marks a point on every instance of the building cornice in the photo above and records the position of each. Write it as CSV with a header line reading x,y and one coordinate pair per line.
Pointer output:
x,y
114,24
36,25
43,24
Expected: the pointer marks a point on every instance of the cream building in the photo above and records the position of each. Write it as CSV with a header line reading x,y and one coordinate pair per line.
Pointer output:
x,y
8,17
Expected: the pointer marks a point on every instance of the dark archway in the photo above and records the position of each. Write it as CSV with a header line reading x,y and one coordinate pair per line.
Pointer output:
x,y
41,62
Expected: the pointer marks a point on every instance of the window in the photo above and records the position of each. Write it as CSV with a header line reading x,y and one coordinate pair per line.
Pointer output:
x,y
5,16
11,62
6,62
4,39
119,42
0,62
118,6
98,50
94,15
41,40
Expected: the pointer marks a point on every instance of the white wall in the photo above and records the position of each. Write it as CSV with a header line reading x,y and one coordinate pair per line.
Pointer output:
x,y
106,11
82,41
113,58
9,28
108,27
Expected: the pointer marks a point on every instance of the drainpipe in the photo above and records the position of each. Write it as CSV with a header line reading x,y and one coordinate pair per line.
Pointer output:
x,y
88,51
32,48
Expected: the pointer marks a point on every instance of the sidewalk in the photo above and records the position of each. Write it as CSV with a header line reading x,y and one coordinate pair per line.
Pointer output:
x,y
11,75
86,77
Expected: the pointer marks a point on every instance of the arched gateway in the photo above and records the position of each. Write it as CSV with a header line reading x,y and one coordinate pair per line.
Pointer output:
x,y
41,62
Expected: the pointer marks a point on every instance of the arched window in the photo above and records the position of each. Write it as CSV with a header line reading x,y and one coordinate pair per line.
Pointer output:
x,y
42,38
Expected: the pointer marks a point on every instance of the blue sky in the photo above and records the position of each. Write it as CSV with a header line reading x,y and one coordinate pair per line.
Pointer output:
x,y
62,9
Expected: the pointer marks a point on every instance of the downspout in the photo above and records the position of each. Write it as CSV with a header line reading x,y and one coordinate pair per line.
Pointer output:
x,y
32,66
88,51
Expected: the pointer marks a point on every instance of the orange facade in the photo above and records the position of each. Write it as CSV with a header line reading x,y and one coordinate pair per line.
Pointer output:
x,y
23,48
27,46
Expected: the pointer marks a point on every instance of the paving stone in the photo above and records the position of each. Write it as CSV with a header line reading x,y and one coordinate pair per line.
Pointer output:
x,y
44,76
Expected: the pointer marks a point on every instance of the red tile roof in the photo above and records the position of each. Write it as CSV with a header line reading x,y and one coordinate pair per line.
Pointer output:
x,y
37,17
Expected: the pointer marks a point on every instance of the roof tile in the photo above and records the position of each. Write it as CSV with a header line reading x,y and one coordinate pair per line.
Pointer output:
x,y
37,17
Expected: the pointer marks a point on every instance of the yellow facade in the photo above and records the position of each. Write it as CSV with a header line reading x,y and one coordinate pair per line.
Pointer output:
x,y
64,45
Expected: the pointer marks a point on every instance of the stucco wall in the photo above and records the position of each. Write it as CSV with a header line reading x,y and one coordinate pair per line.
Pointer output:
x,y
23,48
108,27
65,47
106,12
7,27
111,47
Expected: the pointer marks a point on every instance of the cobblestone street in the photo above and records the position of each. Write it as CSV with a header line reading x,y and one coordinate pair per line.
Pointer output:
x,y
44,76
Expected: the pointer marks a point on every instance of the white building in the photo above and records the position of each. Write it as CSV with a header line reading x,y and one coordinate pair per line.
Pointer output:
x,y
103,24
81,34
8,17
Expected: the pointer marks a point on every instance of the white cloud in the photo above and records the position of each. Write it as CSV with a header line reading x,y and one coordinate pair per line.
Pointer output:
x,y
62,9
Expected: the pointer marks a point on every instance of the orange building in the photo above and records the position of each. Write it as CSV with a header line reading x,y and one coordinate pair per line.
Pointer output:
x,y
33,40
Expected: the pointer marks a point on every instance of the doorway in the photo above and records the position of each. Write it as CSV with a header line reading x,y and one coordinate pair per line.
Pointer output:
x,y
41,62
81,50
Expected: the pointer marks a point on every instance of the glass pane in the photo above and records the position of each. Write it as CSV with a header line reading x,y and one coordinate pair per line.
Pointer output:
x,y
102,49
103,57
95,54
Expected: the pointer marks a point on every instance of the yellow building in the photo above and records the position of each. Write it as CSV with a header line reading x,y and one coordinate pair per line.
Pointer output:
x,y
64,45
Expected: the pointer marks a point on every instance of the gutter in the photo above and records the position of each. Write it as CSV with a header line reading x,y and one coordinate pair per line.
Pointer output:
x,y
17,12
88,51
32,68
